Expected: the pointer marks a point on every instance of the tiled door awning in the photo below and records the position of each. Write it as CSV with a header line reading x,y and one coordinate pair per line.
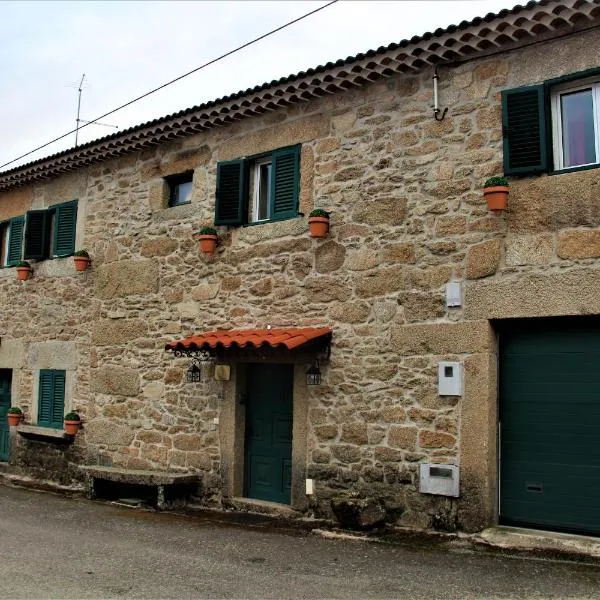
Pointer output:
x,y
248,339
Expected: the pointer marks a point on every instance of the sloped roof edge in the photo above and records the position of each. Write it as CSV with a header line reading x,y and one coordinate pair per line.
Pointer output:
x,y
468,39
291,338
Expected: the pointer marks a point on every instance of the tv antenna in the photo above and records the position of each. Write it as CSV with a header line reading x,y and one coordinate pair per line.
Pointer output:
x,y
79,120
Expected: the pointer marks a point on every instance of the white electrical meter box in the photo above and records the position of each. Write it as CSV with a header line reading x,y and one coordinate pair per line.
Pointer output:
x,y
442,480
453,294
450,378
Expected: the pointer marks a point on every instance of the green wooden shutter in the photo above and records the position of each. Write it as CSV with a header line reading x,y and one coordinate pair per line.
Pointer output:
x,y
231,193
65,225
35,234
58,404
524,130
51,404
46,394
285,183
15,240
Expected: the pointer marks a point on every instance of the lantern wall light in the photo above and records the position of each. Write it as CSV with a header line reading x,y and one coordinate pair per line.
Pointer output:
x,y
194,372
313,374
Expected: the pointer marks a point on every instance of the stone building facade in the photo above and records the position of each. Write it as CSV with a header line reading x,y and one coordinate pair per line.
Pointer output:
x,y
407,217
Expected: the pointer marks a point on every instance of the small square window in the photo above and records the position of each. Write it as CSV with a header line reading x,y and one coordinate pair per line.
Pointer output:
x,y
180,189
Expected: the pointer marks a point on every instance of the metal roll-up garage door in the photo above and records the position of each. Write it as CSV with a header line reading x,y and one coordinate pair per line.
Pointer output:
x,y
550,424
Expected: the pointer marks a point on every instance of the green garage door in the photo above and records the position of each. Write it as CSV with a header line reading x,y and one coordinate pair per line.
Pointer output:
x,y
550,424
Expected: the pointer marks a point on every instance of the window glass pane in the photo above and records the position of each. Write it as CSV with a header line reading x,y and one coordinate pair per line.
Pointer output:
x,y
264,189
577,112
183,193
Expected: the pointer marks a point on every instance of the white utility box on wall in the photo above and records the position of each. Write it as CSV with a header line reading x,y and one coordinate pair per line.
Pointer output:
x,y
450,378
442,480
453,294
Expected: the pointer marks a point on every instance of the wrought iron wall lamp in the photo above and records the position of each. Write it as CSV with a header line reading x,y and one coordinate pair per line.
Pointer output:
x,y
313,374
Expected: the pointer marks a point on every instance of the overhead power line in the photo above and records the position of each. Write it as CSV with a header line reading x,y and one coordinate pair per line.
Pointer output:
x,y
164,85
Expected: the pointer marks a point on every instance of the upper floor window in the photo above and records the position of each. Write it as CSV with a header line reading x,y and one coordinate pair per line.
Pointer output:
x,y
552,126
576,125
258,188
180,188
40,234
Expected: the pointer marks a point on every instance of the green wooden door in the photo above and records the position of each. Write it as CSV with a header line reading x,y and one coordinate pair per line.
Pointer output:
x,y
5,379
268,456
550,425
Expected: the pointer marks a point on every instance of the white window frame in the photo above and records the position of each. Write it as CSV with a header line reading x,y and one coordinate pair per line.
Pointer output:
x,y
5,226
256,190
557,138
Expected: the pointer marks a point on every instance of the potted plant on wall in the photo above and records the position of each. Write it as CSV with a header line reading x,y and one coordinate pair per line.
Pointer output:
x,y
72,423
495,191
82,260
208,240
15,414
24,270
318,223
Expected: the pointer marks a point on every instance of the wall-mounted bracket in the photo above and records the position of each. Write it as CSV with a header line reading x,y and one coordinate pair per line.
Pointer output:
x,y
436,109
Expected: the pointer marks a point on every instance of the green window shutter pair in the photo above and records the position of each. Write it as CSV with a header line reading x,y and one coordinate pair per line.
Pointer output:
x,y
525,126
37,231
51,404
232,187
16,227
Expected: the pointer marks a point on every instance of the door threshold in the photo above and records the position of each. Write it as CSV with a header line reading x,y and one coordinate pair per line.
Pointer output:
x,y
504,536
263,507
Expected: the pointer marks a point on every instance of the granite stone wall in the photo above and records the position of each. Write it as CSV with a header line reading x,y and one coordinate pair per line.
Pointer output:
x,y
408,216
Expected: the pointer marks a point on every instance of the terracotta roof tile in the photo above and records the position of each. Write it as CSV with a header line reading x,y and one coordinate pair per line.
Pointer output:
x,y
290,339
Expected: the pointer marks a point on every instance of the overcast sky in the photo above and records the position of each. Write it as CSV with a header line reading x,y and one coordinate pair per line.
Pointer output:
x,y
128,48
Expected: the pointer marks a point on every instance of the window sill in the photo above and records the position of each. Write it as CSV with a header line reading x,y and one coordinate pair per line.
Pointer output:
x,y
49,434
270,230
178,213
268,221
574,169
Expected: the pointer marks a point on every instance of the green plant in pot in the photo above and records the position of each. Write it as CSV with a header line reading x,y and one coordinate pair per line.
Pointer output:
x,y
495,191
82,259
208,240
15,415
24,270
318,223
72,423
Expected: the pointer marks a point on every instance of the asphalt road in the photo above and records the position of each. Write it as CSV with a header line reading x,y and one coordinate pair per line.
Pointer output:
x,y
55,547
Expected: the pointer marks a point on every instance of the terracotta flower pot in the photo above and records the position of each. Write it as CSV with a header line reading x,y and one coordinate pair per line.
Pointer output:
x,y
72,427
208,243
496,197
14,419
23,273
81,263
318,226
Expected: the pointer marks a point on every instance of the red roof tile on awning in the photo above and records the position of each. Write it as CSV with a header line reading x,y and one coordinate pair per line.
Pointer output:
x,y
289,339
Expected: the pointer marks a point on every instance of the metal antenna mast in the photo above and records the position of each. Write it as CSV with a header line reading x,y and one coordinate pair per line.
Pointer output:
x,y
78,108
79,120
